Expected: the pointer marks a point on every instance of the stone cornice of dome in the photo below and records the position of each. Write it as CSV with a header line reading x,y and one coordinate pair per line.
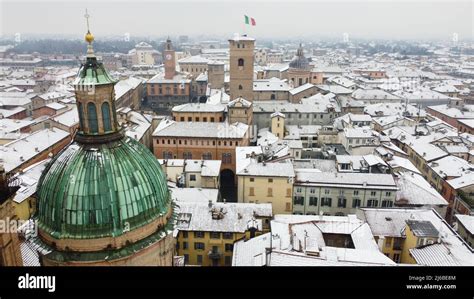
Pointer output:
x,y
114,256
297,70
108,243
99,138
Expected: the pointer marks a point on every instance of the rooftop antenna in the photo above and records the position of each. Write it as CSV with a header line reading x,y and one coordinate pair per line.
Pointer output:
x,y
406,106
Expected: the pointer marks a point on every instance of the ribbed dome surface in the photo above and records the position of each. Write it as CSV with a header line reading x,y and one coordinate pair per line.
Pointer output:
x,y
93,191
92,72
299,61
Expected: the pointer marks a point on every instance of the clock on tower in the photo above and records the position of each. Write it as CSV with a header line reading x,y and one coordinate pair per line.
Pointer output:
x,y
170,66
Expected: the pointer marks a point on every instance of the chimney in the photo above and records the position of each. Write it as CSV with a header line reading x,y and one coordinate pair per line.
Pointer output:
x,y
3,178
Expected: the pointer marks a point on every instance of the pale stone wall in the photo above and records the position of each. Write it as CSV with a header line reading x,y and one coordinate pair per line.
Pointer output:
x,y
215,76
158,254
97,96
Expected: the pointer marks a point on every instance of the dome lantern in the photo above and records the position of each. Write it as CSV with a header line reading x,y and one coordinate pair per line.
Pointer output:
x,y
95,99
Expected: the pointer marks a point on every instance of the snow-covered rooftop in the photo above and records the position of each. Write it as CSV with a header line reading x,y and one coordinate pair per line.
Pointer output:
x,y
169,128
467,221
415,190
201,195
199,107
17,152
68,118
229,217
276,169
313,177
451,251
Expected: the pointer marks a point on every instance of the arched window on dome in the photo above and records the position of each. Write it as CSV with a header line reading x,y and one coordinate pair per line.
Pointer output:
x,y
81,115
92,118
241,62
240,87
106,120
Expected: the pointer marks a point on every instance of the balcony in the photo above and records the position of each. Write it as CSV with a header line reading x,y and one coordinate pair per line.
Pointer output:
x,y
398,244
466,197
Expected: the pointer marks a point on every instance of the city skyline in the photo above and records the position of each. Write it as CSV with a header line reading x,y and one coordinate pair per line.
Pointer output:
x,y
167,137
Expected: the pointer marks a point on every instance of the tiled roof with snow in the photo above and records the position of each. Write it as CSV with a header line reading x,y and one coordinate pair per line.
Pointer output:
x,y
277,169
415,190
196,216
169,128
311,177
467,221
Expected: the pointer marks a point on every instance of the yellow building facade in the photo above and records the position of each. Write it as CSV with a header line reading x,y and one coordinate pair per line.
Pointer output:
x,y
392,247
417,234
207,231
208,248
278,125
266,189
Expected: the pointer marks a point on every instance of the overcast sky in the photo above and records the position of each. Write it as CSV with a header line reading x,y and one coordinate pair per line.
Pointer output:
x,y
357,18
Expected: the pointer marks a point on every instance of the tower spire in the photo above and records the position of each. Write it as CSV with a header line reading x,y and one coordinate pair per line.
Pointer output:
x,y
87,19
89,37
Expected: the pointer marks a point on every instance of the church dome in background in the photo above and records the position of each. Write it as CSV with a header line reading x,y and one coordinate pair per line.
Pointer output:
x,y
299,61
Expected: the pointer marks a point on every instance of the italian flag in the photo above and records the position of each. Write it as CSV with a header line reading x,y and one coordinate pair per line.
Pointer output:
x,y
250,21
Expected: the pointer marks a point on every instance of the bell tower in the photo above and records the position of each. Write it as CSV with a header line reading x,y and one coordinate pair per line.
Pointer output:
x,y
170,64
241,67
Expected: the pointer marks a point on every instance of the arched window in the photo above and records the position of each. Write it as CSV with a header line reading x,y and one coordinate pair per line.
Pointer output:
x,y
226,158
81,116
240,87
272,97
241,62
106,120
92,118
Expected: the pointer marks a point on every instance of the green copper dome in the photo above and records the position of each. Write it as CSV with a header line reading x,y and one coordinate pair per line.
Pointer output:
x,y
101,190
